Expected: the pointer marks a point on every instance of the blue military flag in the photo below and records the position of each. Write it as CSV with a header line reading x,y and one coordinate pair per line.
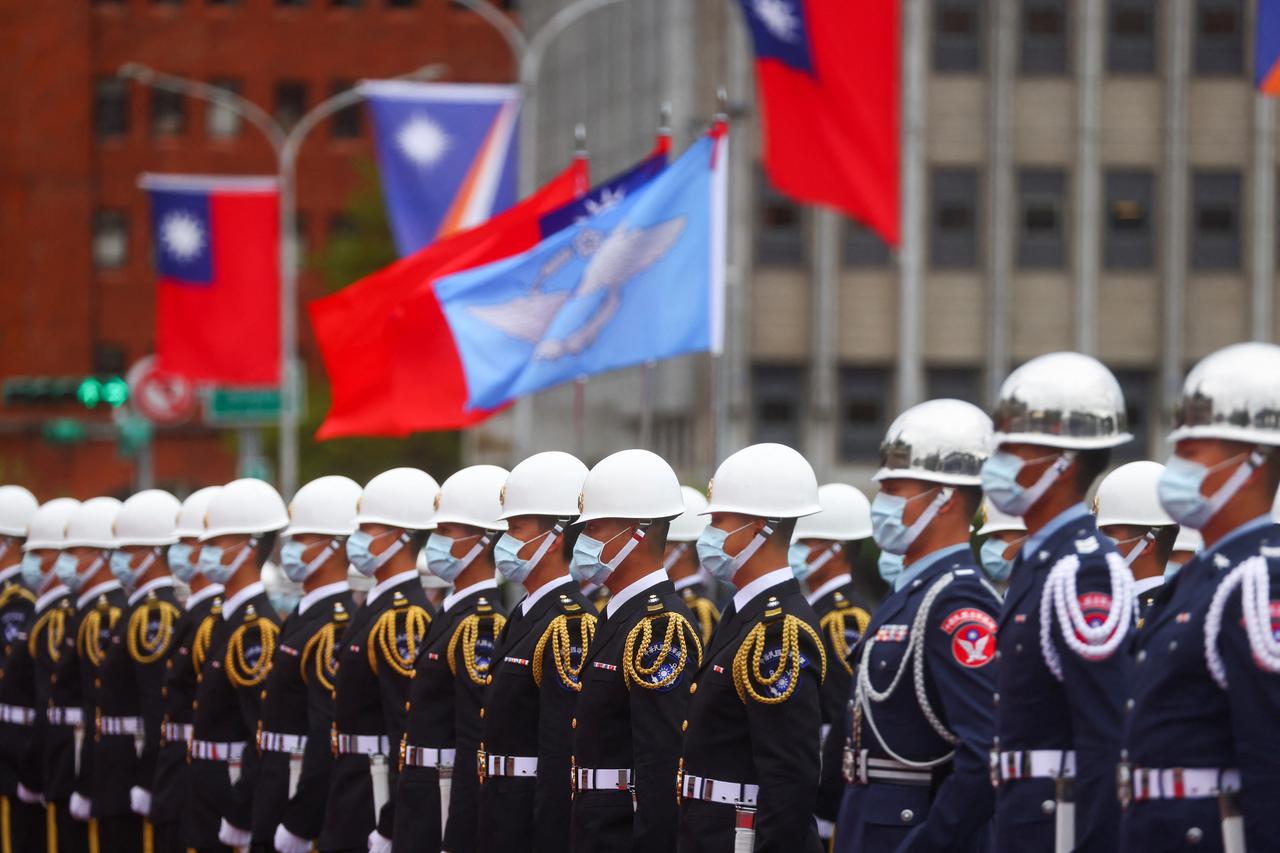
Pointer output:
x,y
639,281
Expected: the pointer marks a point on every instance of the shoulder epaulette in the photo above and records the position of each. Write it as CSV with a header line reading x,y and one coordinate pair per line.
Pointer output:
x,y
563,650
204,634
53,622
834,625
245,668
475,631
15,590
781,681
658,665
150,630
704,610
318,654
395,636
92,630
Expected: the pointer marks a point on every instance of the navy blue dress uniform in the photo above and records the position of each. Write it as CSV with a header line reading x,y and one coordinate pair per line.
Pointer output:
x,y
222,755
127,722
21,822
375,666
628,721
1059,703
524,755
705,613
99,610
921,722
188,650
1178,715
442,734
294,753
1146,593
751,750
53,648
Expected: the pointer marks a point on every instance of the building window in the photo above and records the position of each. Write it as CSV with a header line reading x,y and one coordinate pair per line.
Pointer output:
x,y
1136,385
110,107
1215,224
780,237
290,102
953,232
110,239
1128,242
864,412
1219,36
777,392
862,247
1045,41
1041,202
956,383
219,121
1131,36
348,121
957,41
674,438
168,113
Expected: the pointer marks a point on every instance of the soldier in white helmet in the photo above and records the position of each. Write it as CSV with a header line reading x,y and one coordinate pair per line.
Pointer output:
x,y
437,796
681,563
1185,547
627,724
57,727
394,517
1201,759
751,754
539,663
1128,510
1004,536
241,524
297,697
130,705
24,829
162,798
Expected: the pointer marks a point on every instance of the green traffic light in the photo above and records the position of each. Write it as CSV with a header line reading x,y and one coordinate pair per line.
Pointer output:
x,y
115,391
89,392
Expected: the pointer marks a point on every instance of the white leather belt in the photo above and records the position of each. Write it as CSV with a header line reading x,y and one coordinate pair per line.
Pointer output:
x,y
868,770
177,732
208,750
64,716
715,791
280,742
361,744
429,756
596,779
1182,783
1037,764
510,765
17,715
119,725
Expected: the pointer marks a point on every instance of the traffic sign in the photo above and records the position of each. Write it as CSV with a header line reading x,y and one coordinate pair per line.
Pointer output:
x,y
242,406
162,398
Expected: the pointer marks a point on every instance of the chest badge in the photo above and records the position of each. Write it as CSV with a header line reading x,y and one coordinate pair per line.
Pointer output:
x,y
973,636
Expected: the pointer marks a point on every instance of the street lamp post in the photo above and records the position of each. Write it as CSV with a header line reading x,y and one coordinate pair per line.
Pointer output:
x,y
285,144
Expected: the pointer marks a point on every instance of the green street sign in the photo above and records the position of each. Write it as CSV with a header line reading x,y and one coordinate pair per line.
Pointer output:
x,y
242,406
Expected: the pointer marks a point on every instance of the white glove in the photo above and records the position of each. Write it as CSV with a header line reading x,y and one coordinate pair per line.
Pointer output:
x,y
81,807
233,836
140,800
379,843
29,796
287,842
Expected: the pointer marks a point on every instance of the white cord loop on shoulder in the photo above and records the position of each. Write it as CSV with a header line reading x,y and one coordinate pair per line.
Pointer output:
x,y
1091,642
1253,577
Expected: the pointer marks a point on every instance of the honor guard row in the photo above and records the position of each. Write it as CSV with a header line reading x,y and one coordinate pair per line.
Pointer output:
x,y
1052,677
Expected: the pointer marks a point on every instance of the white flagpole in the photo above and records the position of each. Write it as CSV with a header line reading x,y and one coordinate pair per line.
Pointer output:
x,y
911,254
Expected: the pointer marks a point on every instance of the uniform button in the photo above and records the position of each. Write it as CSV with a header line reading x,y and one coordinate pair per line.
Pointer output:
x,y
1173,645
995,698
97,683
1048,806
883,664
684,727
195,703
1194,834
907,815
1142,655
406,707
481,712
997,654
1128,705
264,695
573,724
168,664
53,679
164,692
1018,648
693,688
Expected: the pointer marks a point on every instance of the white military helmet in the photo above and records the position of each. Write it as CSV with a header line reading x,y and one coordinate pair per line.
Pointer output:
x,y
247,506
401,497
148,518
634,484
1128,496
326,505
996,521
17,505
48,528
1189,539
764,480
90,524
690,523
547,483
939,441
845,516
1232,394
191,516
472,496
1065,400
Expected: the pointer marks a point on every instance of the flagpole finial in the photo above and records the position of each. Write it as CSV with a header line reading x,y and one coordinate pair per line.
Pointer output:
x,y
722,103
580,140
664,119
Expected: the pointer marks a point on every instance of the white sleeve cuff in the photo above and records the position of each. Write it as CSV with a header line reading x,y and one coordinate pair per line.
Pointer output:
x,y
287,842
140,800
29,796
81,807
233,836
379,843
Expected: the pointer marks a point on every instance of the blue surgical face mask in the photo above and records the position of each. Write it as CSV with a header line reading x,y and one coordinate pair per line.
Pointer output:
x,y
360,555
1000,480
180,563
1180,483
66,568
715,559
294,563
128,574
440,559
1171,569
586,565
890,566
887,526
284,601
32,571
211,560
798,559
511,565
993,560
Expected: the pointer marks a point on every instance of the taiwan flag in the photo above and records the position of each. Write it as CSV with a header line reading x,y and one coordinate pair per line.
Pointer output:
x,y
827,72
216,247
1266,59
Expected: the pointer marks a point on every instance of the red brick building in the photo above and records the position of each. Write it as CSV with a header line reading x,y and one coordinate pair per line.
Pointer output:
x,y
76,289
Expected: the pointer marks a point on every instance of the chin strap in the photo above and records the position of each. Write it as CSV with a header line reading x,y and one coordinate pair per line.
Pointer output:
x,y
756,543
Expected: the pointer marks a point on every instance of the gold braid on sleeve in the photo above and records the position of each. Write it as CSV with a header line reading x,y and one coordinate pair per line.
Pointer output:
x,y
145,647
558,633
679,631
747,671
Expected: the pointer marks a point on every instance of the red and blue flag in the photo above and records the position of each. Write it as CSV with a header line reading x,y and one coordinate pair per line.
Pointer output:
x,y
1267,53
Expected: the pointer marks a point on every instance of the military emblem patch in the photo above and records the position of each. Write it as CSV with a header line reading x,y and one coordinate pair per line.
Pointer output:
x,y
973,636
